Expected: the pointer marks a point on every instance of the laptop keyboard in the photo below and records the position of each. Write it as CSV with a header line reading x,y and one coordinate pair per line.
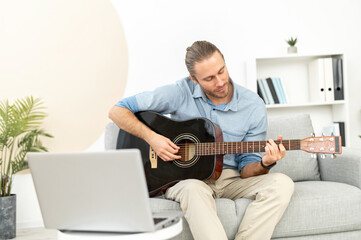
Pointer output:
x,y
157,220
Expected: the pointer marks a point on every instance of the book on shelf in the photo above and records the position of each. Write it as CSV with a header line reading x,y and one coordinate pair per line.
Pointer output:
x,y
336,129
261,91
341,126
267,91
327,67
280,90
325,76
271,90
316,78
338,78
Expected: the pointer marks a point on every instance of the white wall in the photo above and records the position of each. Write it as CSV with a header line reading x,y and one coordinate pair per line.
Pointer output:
x,y
159,31
73,55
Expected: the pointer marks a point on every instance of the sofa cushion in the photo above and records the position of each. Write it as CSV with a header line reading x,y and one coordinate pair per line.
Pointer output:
x,y
320,207
298,165
230,214
316,208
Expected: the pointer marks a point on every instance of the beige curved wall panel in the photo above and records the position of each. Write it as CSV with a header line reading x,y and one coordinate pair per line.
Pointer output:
x,y
73,55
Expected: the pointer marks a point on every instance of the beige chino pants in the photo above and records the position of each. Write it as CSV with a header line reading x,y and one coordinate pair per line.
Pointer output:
x,y
271,193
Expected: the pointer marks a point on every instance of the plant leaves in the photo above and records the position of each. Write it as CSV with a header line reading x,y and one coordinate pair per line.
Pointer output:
x,y
20,133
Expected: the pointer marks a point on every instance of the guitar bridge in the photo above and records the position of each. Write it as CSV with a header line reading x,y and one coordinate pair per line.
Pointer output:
x,y
153,158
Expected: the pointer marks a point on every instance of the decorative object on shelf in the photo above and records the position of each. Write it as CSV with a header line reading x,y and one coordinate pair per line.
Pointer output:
x,y
19,134
292,42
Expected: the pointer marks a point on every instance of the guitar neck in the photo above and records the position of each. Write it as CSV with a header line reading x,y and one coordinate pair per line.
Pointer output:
x,y
219,148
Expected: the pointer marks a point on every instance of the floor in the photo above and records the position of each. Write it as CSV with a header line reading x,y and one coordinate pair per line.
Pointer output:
x,y
36,234
52,234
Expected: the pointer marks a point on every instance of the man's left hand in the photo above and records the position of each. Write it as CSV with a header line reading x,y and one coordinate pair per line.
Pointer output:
x,y
274,152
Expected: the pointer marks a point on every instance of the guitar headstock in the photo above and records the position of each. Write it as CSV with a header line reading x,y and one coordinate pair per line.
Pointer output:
x,y
324,144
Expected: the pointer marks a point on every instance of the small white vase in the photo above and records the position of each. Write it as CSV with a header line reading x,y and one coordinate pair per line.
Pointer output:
x,y
292,49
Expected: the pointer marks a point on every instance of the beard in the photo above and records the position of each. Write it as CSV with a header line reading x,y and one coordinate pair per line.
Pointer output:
x,y
216,93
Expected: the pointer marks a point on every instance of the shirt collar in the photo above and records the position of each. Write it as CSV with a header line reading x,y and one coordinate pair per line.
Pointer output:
x,y
198,93
232,105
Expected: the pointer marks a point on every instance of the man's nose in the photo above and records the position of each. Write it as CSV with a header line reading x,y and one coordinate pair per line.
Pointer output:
x,y
219,81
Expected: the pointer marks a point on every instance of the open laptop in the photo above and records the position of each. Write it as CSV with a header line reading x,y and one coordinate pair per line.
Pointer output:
x,y
95,191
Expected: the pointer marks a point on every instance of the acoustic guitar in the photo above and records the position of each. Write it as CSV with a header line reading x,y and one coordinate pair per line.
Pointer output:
x,y
202,149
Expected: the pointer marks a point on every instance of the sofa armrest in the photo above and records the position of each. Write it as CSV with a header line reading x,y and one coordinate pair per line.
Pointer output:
x,y
111,136
345,168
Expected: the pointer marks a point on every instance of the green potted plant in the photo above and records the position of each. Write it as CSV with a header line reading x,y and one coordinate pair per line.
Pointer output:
x,y
292,45
19,134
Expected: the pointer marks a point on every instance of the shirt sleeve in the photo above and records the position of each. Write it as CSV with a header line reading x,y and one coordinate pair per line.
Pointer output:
x,y
257,132
163,100
130,103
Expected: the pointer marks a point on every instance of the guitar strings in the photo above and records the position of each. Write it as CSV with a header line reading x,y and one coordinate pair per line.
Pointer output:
x,y
232,147
229,147
234,144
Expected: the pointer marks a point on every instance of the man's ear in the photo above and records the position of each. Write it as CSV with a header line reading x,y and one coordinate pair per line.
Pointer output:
x,y
193,79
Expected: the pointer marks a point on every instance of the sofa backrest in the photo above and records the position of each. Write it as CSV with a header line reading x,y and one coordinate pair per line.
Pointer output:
x,y
298,165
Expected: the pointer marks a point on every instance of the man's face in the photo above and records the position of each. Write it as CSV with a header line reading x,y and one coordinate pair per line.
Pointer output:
x,y
212,76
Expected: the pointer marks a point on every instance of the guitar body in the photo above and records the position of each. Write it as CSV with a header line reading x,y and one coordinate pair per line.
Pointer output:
x,y
166,174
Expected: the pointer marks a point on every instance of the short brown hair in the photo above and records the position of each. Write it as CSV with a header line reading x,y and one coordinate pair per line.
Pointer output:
x,y
199,51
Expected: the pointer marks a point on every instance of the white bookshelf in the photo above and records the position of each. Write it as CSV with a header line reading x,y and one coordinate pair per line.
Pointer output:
x,y
293,71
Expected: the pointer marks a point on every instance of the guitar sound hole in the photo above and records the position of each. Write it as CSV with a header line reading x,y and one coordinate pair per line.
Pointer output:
x,y
187,150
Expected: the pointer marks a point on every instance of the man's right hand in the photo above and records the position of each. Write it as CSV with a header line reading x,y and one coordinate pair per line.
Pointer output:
x,y
164,147
127,121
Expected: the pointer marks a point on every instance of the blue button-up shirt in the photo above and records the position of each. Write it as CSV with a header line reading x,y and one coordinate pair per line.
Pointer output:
x,y
244,118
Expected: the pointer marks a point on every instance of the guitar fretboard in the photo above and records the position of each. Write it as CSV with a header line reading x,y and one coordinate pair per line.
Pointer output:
x,y
215,148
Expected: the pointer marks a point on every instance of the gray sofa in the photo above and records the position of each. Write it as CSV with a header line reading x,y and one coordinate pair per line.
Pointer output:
x,y
326,203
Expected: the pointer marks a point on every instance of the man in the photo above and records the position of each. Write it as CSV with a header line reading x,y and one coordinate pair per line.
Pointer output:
x,y
209,92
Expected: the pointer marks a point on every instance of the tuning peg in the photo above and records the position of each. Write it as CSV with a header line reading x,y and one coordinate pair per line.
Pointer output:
x,y
313,134
333,156
332,134
314,155
323,156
